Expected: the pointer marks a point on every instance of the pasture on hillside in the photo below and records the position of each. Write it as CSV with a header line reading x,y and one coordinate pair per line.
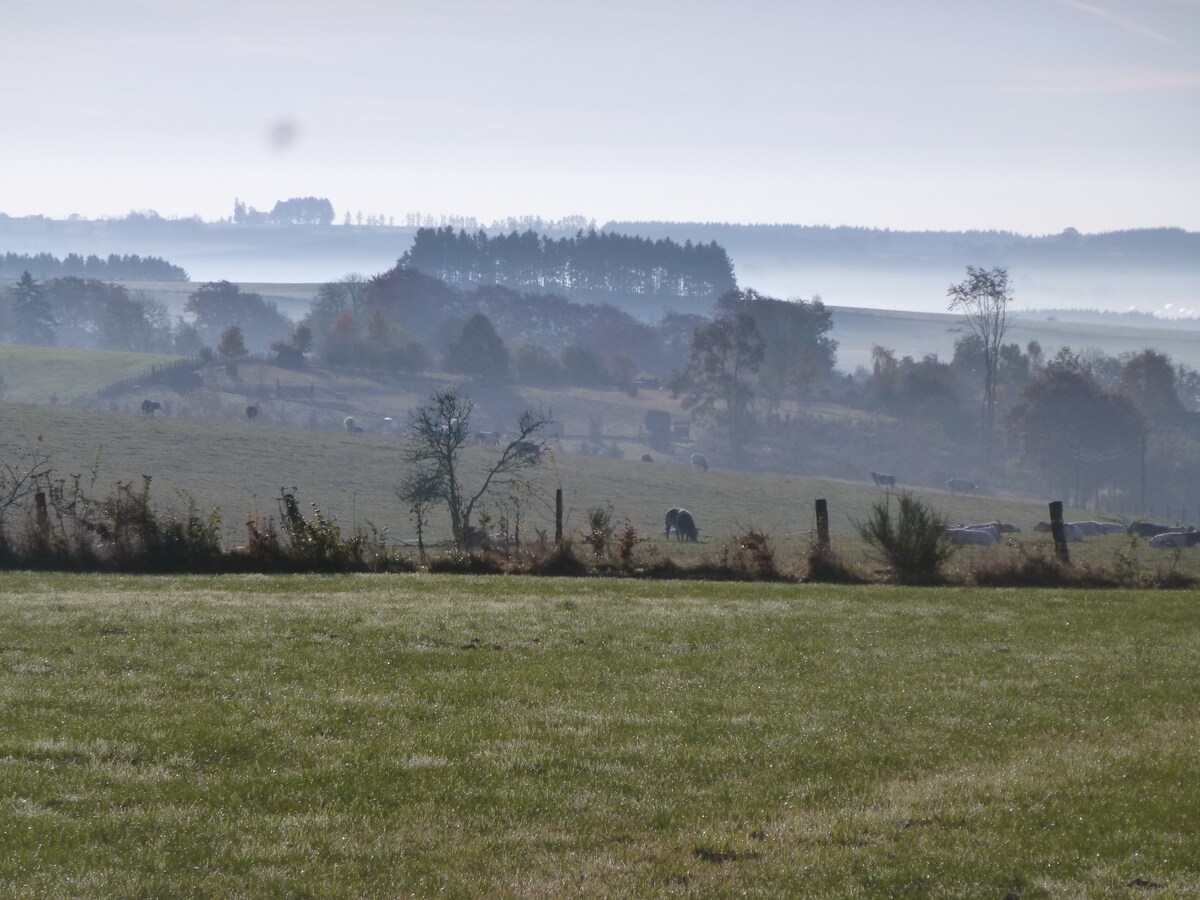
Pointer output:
x,y
240,468
412,735
48,375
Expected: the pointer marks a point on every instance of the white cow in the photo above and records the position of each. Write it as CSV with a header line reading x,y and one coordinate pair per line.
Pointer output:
x,y
1176,539
1071,531
977,536
991,528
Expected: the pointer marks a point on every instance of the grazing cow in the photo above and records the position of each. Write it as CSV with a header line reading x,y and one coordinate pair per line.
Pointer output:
x,y
684,524
1177,539
646,457
883,480
352,427
149,406
251,413
685,527
527,448
961,486
487,438
963,536
698,461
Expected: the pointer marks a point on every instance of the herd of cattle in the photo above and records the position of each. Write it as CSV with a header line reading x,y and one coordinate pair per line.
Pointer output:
x,y
989,533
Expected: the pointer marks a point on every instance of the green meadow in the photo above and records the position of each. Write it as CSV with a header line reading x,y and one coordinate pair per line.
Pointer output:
x,y
514,737
240,468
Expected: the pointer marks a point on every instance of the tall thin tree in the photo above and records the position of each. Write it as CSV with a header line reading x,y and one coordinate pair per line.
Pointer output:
x,y
983,298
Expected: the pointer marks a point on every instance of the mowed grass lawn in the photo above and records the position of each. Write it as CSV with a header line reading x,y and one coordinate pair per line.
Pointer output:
x,y
413,735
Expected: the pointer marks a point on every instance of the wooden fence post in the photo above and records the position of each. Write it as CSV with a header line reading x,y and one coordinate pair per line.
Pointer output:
x,y
558,517
823,525
1059,532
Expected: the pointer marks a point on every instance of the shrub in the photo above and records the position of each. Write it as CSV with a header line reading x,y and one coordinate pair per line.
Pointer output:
x,y
909,542
559,560
600,530
627,542
457,562
822,564
755,557
1031,565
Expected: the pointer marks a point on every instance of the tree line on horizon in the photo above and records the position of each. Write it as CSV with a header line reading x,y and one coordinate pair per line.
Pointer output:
x,y
587,263
114,267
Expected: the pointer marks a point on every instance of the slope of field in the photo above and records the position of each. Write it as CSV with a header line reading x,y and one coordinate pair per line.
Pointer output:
x,y
240,467
918,334
504,737
55,374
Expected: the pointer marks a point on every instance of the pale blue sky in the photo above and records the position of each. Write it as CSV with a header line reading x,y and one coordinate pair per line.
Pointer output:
x,y
1029,115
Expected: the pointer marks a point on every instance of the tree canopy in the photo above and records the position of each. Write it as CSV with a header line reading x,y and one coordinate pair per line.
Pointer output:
x,y
983,298
588,263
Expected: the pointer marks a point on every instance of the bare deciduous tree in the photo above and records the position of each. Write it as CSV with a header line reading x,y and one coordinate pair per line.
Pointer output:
x,y
438,434
983,298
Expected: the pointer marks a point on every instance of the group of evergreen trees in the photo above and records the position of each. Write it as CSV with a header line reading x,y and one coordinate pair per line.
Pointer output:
x,y
588,263
111,268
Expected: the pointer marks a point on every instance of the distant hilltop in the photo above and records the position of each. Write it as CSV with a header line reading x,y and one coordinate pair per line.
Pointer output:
x,y
881,246
1146,269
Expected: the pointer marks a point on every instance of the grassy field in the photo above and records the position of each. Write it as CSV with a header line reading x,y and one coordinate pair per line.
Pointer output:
x,y
917,334
201,447
240,468
48,374
412,735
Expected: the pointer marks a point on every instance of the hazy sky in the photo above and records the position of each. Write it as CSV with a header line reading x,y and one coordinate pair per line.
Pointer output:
x,y
1029,115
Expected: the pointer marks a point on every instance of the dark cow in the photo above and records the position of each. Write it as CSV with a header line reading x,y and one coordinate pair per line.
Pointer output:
x,y
149,406
251,413
646,457
699,462
527,448
1149,529
685,527
883,480
683,522
487,438
961,486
